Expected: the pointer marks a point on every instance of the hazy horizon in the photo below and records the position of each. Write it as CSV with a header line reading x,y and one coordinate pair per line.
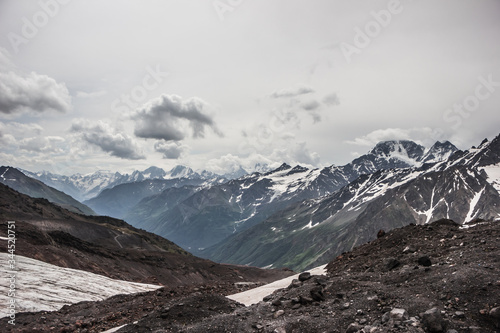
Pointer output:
x,y
124,85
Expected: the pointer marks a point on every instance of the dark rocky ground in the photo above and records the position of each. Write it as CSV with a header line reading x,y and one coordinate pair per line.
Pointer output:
x,y
432,278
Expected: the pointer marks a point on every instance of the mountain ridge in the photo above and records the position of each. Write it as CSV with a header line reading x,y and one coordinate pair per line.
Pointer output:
x,y
218,211
309,232
17,180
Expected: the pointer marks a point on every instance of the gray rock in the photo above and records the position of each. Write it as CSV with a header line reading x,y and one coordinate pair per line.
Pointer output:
x,y
433,321
386,317
425,261
391,263
410,249
276,302
495,313
398,314
353,328
278,313
317,294
305,300
295,284
304,276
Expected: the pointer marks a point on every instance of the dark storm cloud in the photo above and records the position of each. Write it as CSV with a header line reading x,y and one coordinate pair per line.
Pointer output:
x,y
171,118
107,138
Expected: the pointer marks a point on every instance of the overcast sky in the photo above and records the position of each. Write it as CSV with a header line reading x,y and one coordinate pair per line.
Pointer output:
x,y
125,84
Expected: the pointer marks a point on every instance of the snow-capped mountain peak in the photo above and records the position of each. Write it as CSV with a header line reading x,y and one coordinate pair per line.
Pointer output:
x,y
404,150
440,151
181,171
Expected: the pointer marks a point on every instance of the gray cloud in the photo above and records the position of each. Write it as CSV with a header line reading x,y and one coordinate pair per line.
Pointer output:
x,y
310,105
171,118
331,99
424,135
33,92
19,129
107,138
93,94
170,150
286,93
49,144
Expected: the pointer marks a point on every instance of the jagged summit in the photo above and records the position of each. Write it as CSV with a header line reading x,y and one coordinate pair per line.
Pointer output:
x,y
181,171
440,151
282,167
398,148
406,153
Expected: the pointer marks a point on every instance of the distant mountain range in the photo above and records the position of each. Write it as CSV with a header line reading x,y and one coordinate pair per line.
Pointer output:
x,y
298,217
85,187
206,217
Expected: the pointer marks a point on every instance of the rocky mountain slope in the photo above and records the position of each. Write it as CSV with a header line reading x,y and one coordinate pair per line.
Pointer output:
x,y
434,278
108,246
309,233
214,213
17,180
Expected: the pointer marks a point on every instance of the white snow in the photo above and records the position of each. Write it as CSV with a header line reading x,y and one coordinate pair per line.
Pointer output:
x,y
473,203
283,183
44,287
112,330
493,172
254,296
3,174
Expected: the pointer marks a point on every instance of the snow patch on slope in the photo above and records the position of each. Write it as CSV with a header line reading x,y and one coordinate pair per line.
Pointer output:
x,y
493,172
254,296
473,203
44,287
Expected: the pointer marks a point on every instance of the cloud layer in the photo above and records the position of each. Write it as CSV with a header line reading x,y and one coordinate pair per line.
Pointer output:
x,y
107,138
172,118
170,150
286,93
30,92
